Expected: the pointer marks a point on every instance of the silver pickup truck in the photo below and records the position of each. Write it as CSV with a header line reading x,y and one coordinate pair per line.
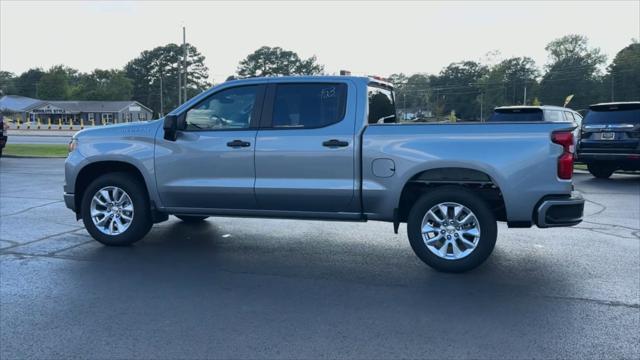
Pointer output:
x,y
324,148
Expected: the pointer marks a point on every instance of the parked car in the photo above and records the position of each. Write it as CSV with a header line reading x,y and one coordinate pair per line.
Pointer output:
x,y
324,148
521,113
4,130
610,138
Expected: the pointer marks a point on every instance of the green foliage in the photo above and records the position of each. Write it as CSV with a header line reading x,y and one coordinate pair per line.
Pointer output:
x,y
505,82
26,84
456,87
275,61
7,82
624,71
103,85
464,88
573,69
162,65
54,84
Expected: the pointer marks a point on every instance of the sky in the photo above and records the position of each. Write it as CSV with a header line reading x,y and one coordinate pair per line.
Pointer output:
x,y
365,37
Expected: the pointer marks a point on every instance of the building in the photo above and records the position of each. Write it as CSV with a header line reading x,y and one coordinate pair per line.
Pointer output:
x,y
73,112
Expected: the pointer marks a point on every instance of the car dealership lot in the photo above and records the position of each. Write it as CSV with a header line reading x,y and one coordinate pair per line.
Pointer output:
x,y
255,288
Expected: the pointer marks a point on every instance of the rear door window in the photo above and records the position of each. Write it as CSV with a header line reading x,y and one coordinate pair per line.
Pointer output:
x,y
308,105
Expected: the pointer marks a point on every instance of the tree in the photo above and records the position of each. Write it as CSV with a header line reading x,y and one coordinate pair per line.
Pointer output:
x,y
573,69
103,85
505,83
161,65
623,79
27,82
268,61
456,88
7,83
54,84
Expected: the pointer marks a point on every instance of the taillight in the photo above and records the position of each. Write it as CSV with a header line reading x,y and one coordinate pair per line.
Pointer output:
x,y
565,161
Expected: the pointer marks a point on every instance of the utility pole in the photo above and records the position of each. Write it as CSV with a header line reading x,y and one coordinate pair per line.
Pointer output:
x,y
524,100
184,61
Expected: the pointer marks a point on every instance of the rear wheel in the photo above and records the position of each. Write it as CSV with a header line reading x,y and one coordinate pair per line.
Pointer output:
x,y
191,218
452,229
115,209
601,171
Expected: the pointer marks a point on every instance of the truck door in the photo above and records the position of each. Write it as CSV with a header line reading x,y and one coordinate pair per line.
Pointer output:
x,y
305,147
211,164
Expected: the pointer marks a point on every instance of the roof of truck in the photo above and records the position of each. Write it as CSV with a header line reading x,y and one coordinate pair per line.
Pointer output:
x,y
312,78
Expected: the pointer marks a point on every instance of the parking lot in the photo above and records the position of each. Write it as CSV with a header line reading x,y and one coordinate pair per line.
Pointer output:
x,y
255,288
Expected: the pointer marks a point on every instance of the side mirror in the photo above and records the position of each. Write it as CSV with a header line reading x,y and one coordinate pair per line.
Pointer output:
x,y
170,127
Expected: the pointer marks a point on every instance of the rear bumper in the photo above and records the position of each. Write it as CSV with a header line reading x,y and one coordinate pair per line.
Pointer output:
x,y
560,211
608,156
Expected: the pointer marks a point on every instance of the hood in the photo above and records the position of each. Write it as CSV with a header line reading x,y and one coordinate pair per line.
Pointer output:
x,y
139,128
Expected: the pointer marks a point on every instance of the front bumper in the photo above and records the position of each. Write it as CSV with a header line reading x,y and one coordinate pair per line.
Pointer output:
x,y
69,200
560,211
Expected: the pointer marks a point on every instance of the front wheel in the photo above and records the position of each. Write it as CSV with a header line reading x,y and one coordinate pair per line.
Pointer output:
x,y
600,171
115,209
452,229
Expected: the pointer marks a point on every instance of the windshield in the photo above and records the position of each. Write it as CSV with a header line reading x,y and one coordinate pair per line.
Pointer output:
x,y
612,117
528,115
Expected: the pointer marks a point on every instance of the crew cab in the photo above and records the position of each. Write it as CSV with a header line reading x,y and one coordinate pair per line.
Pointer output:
x,y
610,138
324,148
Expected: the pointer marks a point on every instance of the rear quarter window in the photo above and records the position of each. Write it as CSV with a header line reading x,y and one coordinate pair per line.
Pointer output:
x,y
382,108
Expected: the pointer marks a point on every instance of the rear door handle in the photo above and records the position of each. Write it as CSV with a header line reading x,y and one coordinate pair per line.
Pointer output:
x,y
238,143
335,143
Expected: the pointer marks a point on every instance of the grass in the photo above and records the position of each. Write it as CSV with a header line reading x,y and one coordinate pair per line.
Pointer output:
x,y
36,150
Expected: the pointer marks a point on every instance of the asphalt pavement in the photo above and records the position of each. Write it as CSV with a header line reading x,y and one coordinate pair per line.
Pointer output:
x,y
255,288
38,139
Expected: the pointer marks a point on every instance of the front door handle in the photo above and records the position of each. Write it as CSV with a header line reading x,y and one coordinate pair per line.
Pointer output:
x,y
335,143
238,143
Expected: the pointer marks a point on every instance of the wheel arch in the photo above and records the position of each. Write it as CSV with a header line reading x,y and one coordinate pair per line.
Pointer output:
x,y
93,170
426,180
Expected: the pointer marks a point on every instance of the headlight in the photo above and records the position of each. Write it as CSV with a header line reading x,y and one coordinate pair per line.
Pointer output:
x,y
73,144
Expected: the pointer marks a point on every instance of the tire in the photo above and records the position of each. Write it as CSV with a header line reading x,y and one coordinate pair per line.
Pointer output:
x,y
468,257
600,171
140,222
191,218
